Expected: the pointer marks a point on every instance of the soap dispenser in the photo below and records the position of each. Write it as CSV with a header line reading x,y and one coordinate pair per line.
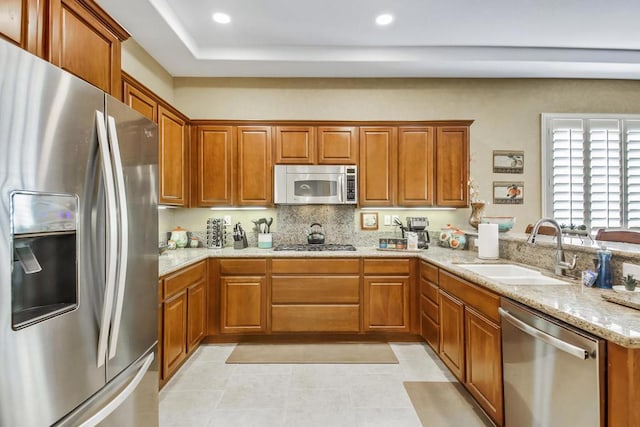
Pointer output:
x,y
605,276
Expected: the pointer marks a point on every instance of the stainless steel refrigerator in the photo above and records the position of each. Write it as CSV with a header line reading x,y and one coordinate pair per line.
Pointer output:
x,y
78,252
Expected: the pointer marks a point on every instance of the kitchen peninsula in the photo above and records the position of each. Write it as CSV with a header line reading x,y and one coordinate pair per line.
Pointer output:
x,y
574,304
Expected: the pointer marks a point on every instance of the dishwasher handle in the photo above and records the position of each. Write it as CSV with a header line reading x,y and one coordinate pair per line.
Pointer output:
x,y
573,350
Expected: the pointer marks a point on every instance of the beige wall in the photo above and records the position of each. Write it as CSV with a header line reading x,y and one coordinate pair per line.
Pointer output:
x,y
506,113
139,64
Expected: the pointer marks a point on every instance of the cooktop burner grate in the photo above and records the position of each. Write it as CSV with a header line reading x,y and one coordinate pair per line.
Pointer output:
x,y
310,247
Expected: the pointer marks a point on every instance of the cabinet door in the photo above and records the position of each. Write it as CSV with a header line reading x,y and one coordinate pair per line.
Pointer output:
x,y
172,158
140,101
174,338
13,20
337,145
84,46
196,314
386,303
214,171
452,166
378,164
254,166
243,304
484,363
295,145
415,166
160,332
451,316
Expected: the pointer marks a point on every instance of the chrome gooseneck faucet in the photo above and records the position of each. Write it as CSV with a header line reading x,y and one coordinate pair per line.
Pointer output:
x,y
561,262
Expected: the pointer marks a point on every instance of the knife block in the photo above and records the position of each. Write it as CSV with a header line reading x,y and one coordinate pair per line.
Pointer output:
x,y
241,244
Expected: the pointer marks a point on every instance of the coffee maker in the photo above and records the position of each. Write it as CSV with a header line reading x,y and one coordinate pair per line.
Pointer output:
x,y
418,225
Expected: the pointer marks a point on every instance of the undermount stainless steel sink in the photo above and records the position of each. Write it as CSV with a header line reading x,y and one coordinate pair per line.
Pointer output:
x,y
511,274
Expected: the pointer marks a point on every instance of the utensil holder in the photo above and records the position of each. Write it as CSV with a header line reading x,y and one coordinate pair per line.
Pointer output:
x,y
265,240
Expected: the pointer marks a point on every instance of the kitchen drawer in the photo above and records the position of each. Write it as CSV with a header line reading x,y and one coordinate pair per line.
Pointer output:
x,y
160,291
429,290
183,278
315,289
315,318
430,331
387,266
315,266
483,300
429,308
429,272
240,267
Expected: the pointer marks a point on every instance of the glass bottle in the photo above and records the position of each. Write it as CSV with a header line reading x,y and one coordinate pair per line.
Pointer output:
x,y
605,276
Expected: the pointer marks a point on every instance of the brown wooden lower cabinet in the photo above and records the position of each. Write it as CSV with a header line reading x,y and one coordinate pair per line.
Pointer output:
x,y
174,339
429,306
386,303
242,304
452,334
182,316
315,318
197,314
484,363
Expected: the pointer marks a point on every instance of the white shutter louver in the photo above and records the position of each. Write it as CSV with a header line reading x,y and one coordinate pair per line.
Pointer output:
x,y
605,208
632,128
568,171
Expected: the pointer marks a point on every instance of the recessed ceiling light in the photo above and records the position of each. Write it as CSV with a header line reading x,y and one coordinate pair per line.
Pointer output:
x,y
221,18
384,19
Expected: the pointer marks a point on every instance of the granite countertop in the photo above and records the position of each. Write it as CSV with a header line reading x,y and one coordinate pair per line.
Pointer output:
x,y
574,304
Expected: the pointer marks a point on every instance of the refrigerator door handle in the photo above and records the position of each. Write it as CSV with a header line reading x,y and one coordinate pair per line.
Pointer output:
x,y
123,234
112,236
124,394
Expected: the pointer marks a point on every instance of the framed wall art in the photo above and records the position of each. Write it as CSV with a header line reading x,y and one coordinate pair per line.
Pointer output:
x,y
508,193
369,220
508,161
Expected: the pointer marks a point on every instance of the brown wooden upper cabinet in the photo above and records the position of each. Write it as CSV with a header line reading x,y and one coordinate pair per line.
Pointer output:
x,y
328,145
378,164
337,145
295,145
140,101
21,23
214,183
254,166
85,41
452,166
414,166
173,158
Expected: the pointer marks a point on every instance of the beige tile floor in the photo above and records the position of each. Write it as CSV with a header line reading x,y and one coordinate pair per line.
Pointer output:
x,y
207,392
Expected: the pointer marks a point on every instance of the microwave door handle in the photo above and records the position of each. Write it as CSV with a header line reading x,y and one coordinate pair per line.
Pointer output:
x,y
112,236
342,188
123,234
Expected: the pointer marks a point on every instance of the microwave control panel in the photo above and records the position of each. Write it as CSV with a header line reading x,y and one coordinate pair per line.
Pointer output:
x,y
352,173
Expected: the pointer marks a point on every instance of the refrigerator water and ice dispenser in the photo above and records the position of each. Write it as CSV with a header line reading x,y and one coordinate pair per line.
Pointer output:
x,y
44,279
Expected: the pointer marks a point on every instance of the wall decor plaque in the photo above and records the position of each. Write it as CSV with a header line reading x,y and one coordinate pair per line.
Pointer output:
x,y
508,161
508,193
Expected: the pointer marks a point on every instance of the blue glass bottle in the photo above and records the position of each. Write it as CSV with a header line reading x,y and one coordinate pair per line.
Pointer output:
x,y
605,276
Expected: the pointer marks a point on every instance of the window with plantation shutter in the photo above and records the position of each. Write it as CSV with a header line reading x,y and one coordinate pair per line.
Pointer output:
x,y
591,169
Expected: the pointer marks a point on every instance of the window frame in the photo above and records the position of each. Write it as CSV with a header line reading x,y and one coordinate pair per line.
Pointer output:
x,y
546,140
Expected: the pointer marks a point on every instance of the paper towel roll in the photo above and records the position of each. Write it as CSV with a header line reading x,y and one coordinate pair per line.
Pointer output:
x,y
488,247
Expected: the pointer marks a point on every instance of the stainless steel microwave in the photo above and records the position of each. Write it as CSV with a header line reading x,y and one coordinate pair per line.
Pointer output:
x,y
315,184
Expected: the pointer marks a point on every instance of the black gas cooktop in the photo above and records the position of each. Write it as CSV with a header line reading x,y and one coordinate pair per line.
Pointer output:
x,y
314,247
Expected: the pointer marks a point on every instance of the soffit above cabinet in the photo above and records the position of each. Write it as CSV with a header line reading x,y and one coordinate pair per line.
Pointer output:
x,y
333,38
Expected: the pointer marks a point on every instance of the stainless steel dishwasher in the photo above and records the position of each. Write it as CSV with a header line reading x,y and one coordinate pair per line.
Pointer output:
x,y
553,372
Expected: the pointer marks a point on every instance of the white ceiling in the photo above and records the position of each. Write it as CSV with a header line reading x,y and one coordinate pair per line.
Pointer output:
x,y
428,38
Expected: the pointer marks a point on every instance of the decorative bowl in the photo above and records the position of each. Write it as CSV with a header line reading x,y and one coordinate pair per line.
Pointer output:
x,y
505,223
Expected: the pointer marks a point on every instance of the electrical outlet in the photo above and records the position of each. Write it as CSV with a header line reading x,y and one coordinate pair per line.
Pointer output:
x,y
387,220
227,220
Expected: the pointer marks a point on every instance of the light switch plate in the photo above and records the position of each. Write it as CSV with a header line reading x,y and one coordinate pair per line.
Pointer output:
x,y
628,268
387,220
227,220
